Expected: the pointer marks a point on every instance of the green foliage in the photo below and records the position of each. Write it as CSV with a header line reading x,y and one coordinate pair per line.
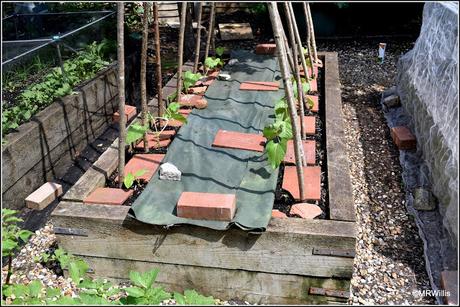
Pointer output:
x,y
190,79
305,87
38,96
172,112
212,62
130,178
220,51
142,291
258,8
278,134
135,132
191,297
11,233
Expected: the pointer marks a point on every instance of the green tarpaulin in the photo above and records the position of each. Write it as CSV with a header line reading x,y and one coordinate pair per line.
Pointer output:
x,y
220,170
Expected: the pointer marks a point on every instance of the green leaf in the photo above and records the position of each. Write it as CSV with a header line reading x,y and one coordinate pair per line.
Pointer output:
x,y
135,291
128,181
135,132
270,132
34,288
8,246
74,272
88,284
179,298
136,278
286,130
52,292
220,51
275,152
173,107
148,278
25,234
140,173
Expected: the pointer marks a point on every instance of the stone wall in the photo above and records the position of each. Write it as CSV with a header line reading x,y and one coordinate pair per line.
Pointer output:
x,y
43,148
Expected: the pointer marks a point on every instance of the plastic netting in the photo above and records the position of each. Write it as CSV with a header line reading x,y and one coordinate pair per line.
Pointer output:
x,y
427,83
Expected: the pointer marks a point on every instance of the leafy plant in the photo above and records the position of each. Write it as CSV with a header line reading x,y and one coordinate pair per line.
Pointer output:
x,y
278,134
220,51
142,291
130,178
172,112
191,297
211,63
11,237
97,292
190,79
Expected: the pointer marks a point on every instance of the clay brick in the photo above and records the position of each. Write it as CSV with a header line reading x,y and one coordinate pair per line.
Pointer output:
x,y
185,112
148,162
153,142
266,49
309,124
43,196
309,148
214,73
192,100
312,182
108,196
278,214
130,113
403,138
206,206
205,81
315,70
197,90
239,140
259,86
449,282
306,211
313,85
315,99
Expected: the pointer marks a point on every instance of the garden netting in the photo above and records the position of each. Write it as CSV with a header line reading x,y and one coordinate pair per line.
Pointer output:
x,y
220,170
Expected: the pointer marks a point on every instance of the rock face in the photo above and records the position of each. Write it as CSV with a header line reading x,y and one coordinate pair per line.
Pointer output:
x,y
423,200
169,171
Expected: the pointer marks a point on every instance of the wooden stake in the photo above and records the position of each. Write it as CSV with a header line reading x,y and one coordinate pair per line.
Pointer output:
x,y
307,21
300,93
198,39
312,33
121,93
158,59
181,49
143,76
299,44
277,30
210,30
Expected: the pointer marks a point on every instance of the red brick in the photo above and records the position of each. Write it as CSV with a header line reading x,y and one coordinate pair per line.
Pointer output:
x,y
197,90
309,124
449,282
278,214
43,196
167,134
313,85
130,113
185,112
309,148
239,140
206,81
153,142
312,182
213,73
266,49
108,196
306,211
315,70
403,138
193,100
315,108
206,206
259,86
148,162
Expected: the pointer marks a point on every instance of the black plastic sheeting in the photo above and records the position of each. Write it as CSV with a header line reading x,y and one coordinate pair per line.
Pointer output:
x,y
220,170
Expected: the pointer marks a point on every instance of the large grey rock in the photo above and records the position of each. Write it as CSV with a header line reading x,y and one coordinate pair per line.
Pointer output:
x,y
423,199
169,171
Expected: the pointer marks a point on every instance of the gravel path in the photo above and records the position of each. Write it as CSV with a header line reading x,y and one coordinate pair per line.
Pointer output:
x,y
389,264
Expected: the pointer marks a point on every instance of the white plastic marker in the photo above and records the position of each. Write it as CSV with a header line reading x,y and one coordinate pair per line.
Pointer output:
x,y
382,47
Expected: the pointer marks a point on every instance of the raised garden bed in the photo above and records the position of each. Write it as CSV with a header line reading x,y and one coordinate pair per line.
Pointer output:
x,y
43,148
295,261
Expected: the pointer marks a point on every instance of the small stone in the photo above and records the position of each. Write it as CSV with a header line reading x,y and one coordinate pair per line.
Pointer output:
x,y
169,171
392,101
423,199
225,77
232,62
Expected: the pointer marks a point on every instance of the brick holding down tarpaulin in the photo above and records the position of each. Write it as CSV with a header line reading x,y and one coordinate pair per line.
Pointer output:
x,y
207,169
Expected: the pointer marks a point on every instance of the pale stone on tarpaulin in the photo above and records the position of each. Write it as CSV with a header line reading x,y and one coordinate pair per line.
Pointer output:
x,y
169,171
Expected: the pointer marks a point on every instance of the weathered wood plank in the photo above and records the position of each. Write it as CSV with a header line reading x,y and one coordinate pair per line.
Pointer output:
x,y
254,287
291,240
341,204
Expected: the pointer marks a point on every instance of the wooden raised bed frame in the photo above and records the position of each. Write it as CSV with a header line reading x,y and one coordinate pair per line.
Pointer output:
x,y
279,266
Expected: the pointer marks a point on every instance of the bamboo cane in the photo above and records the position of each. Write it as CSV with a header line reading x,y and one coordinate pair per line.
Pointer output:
x,y
198,39
210,30
299,44
312,30
277,29
307,21
121,93
181,49
158,59
300,94
143,76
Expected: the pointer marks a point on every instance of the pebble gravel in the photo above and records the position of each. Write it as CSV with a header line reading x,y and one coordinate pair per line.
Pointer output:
x,y
389,266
